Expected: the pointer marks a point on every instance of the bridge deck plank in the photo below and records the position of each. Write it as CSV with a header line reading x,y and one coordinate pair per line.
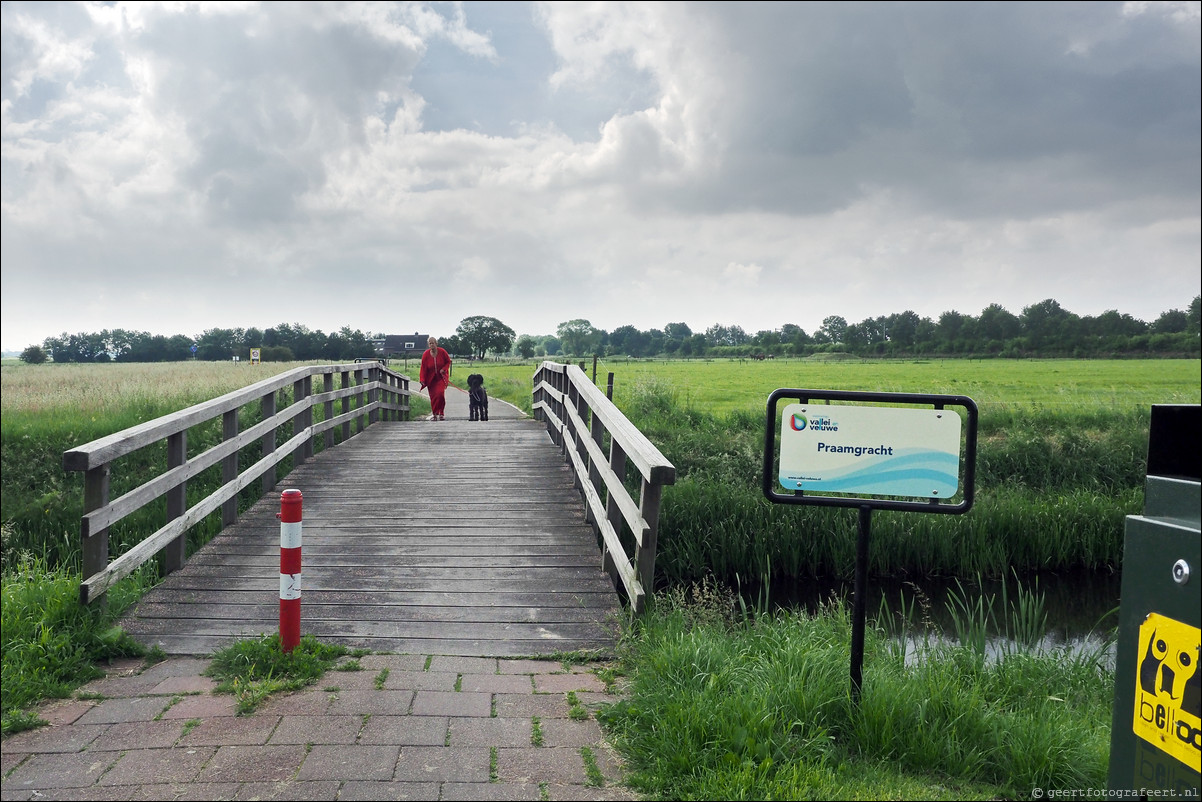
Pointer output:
x,y
454,537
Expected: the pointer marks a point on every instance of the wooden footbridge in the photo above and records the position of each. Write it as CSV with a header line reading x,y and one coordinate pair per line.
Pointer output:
x,y
501,538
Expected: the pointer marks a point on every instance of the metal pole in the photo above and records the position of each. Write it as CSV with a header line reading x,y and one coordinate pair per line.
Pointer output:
x,y
290,568
860,604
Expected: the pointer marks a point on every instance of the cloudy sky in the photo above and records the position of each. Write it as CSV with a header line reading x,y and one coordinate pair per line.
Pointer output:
x,y
397,167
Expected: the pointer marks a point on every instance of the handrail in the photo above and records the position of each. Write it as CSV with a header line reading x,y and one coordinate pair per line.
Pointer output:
x,y
376,390
578,417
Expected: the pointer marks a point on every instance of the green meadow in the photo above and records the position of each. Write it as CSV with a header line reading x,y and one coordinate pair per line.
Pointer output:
x,y
725,699
1062,446
718,387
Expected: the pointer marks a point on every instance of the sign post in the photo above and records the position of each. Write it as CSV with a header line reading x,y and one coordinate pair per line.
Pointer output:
x,y
884,451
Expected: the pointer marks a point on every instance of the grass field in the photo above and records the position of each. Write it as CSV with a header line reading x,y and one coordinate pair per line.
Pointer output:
x,y
721,705
721,386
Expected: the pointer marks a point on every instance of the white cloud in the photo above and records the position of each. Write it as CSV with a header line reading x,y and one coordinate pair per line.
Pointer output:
x,y
744,156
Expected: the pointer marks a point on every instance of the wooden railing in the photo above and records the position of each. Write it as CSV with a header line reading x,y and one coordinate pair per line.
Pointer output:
x,y
580,418
376,392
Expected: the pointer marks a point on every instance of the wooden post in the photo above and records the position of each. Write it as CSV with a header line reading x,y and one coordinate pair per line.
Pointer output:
x,y
617,463
327,385
95,545
346,405
267,405
229,467
175,552
644,555
298,421
597,432
359,401
373,395
307,415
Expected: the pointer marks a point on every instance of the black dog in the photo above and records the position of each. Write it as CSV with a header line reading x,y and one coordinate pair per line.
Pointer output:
x,y
477,398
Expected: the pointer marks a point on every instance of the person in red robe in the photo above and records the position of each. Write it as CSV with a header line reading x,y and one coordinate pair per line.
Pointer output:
x,y
435,373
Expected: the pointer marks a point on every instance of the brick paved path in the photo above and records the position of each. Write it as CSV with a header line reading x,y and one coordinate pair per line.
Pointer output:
x,y
439,728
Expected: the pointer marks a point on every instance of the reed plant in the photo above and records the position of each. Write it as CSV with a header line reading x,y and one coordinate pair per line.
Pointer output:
x,y
726,705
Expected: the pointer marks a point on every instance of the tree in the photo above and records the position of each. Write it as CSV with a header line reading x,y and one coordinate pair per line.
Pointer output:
x,y
33,355
629,341
1048,324
525,346
726,335
482,334
996,323
578,336
216,345
902,328
678,331
834,328
1171,322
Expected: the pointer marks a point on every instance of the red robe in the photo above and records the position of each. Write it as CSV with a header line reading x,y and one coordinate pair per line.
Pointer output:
x,y
435,373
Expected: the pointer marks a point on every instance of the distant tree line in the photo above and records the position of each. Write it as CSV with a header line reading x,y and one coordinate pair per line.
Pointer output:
x,y
1044,329
283,343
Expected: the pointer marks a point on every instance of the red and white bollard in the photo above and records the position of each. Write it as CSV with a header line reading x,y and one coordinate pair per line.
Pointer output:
x,y
290,568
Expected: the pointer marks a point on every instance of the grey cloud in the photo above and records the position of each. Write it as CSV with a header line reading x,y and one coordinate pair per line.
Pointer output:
x,y
265,103
934,101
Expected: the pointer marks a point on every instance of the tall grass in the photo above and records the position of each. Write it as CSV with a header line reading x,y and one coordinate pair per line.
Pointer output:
x,y
1053,491
51,644
724,706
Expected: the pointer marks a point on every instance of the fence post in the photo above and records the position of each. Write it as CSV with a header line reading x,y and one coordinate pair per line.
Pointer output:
x,y
229,467
268,406
95,544
360,400
327,386
290,568
644,555
346,405
373,395
175,553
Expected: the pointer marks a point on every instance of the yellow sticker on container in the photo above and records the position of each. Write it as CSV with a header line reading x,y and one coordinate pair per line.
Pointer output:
x,y
1168,689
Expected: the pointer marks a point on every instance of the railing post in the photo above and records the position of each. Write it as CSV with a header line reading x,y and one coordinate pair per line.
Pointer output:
x,y
360,400
307,416
373,395
95,545
386,396
613,513
644,555
229,467
298,421
583,411
327,385
268,406
561,384
405,387
175,553
346,405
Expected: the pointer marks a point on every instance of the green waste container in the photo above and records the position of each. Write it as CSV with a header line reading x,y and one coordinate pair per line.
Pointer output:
x,y
1156,734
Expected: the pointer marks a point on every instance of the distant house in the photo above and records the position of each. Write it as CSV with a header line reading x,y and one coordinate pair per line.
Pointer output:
x,y
404,345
